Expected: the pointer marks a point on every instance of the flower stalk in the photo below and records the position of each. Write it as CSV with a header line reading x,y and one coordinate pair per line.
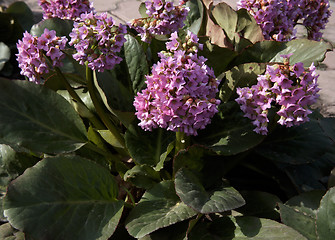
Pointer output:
x,y
100,109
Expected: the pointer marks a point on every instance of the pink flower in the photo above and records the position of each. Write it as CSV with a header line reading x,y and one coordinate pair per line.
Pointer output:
x,y
180,94
292,88
31,51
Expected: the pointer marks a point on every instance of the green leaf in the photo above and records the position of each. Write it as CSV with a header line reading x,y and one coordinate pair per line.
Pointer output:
x,y
7,232
190,158
110,138
217,57
260,228
304,50
231,135
142,176
248,27
259,204
4,55
193,194
292,145
13,164
142,10
244,75
176,231
299,213
240,228
325,218
69,197
136,62
147,147
226,18
159,207
21,11
194,19
164,156
290,150
38,119
61,26
298,220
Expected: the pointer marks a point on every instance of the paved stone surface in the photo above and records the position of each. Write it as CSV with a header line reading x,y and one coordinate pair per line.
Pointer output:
x,y
125,10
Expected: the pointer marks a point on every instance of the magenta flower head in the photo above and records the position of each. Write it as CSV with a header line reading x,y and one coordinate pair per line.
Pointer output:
x,y
292,88
180,93
278,18
65,9
97,40
32,51
315,14
272,16
163,19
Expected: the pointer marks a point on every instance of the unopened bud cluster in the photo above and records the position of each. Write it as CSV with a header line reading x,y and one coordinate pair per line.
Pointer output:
x,y
290,88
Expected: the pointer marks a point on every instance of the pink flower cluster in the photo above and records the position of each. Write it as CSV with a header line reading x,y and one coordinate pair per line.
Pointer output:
x,y
163,19
180,93
32,51
97,40
65,9
316,14
278,18
292,88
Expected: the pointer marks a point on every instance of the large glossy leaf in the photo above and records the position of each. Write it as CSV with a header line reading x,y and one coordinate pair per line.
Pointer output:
x,y
190,158
13,164
193,194
36,118
142,176
244,75
147,147
299,220
290,149
7,232
300,213
194,19
136,62
305,51
4,54
21,11
159,207
218,57
226,18
231,134
239,26
260,228
325,218
293,145
65,197
260,204
240,228
61,26
248,27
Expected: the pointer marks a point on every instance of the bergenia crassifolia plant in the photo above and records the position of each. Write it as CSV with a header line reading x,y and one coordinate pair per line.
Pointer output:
x,y
149,129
